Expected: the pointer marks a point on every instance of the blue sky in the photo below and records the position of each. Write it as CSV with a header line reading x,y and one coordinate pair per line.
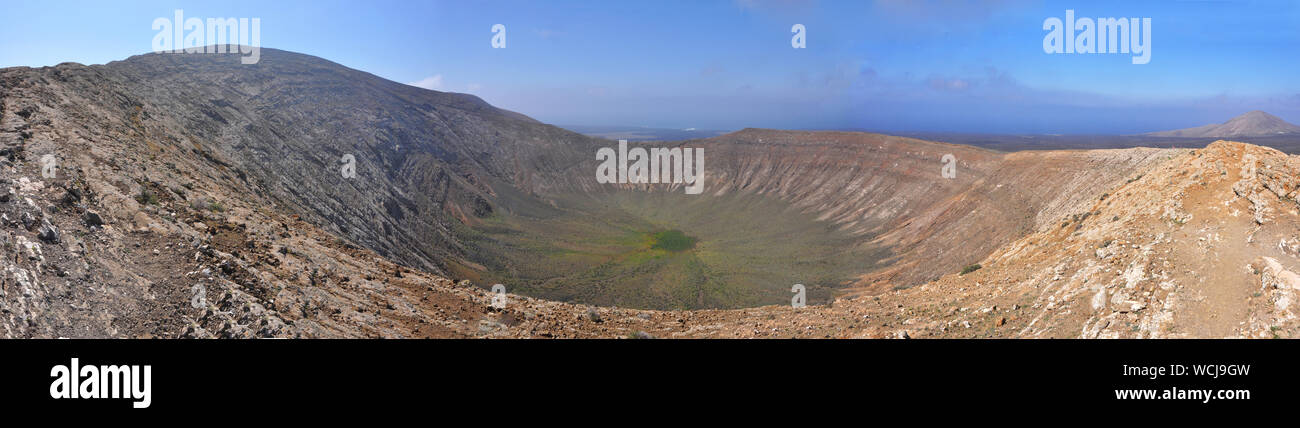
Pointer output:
x,y
944,65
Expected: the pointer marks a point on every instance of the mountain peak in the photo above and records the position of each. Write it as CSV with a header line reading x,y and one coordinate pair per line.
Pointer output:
x,y
1256,117
1255,123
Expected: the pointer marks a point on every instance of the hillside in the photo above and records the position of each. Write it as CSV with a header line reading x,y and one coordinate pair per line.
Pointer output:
x,y
196,197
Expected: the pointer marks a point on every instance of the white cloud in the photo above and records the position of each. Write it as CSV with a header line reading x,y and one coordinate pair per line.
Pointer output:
x,y
431,82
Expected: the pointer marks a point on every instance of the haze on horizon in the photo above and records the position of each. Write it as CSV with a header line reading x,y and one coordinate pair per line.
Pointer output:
x,y
888,65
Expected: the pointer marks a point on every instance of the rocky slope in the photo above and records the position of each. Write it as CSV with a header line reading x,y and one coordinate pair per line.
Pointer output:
x,y
190,196
1203,245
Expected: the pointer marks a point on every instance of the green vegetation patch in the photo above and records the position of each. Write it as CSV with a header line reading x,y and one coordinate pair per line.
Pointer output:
x,y
673,240
665,250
